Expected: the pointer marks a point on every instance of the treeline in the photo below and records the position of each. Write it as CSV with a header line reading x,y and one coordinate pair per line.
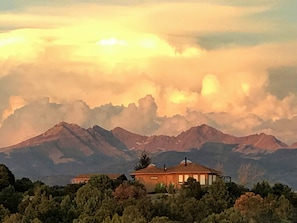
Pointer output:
x,y
103,200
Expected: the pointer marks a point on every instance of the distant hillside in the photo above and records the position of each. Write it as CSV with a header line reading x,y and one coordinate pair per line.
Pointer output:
x,y
68,149
280,166
195,137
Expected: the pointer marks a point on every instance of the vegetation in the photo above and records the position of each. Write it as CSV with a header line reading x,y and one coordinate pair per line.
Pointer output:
x,y
143,162
106,201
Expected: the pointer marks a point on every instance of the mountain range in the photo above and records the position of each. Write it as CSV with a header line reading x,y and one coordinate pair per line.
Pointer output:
x,y
68,149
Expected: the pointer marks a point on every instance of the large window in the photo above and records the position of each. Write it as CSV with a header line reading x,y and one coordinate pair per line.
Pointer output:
x,y
195,176
180,178
209,179
186,177
202,179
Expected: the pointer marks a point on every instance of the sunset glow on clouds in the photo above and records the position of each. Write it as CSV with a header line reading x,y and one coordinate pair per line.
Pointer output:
x,y
150,67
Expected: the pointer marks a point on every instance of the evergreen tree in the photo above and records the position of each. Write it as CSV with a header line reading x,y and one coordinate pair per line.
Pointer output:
x,y
230,215
4,212
88,199
23,184
144,161
6,177
161,220
13,218
192,188
132,214
263,189
10,198
217,198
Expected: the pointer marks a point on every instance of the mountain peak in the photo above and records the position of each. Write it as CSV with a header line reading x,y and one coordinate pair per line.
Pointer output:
x,y
132,140
195,137
206,129
52,134
60,127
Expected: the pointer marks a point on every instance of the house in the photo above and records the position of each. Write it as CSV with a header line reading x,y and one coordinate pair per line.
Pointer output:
x,y
176,175
84,178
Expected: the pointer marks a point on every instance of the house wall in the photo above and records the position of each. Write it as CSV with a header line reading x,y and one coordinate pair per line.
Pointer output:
x,y
180,178
151,180
80,180
177,179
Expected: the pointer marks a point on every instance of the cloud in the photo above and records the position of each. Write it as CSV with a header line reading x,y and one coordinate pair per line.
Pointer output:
x,y
131,66
282,81
139,118
15,102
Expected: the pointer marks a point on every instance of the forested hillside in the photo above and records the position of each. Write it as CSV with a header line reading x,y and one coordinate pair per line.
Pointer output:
x,y
103,200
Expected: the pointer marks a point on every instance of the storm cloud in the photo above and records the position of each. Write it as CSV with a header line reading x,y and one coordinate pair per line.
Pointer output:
x,y
149,67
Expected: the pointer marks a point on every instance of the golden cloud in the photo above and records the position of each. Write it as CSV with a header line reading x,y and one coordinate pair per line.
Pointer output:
x,y
118,54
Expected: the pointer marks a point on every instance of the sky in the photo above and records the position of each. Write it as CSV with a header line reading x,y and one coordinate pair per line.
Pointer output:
x,y
151,67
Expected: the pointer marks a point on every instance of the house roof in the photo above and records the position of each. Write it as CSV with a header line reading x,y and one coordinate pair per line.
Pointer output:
x,y
191,168
183,167
150,169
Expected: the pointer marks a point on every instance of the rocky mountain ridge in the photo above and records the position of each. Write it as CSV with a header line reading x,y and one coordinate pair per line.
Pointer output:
x,y
118,141
86,141
68,149
195,137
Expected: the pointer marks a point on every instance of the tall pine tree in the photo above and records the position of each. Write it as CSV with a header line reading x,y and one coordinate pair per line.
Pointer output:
x,y
144,161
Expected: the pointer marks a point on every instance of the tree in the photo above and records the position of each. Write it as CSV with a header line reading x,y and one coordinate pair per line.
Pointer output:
x,y
6,177
102,182
13,218
160,188
268,209
132,214
10,198
68,209
235,191
162,219
88,199
279,189
192,188
23,184
262,189
126,191
107,209
228,216
3,212
250,205
248,173
114,219
41,207
144,161
217,197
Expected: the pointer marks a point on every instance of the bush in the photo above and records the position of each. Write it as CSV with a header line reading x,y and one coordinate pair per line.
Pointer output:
x,y
160,188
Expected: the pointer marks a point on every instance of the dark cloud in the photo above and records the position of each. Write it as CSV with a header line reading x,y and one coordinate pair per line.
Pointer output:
x,y
283,81
231,39
283,11
49,73
7,5
285,129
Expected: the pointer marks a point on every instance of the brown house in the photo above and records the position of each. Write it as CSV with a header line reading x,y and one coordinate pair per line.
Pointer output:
x,y
84,178
176,175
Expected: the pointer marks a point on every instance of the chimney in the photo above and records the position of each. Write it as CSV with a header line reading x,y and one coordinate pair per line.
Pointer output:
x,y
164,168
186,163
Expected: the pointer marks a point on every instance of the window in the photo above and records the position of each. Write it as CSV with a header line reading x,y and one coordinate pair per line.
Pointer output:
x,y
214,178
180,178
202,179
195,176
209,179
186,177
154,178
